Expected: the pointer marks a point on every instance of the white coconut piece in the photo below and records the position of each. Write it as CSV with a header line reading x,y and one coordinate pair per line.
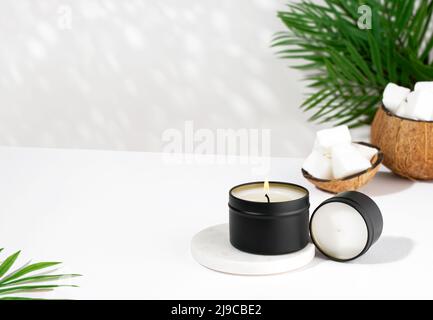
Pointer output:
x,y
404,111
318,165
394,95
424,85
327,138
326,152
347,161
420,105
367,152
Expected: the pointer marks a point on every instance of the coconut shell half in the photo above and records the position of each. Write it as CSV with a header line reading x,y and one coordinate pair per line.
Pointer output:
x,y
350,183
407,144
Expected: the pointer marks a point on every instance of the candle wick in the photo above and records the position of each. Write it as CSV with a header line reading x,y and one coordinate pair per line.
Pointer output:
x,y
267,197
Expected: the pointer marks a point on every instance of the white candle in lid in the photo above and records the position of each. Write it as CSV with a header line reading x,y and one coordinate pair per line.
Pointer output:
x,y
277,192
339,231
345,226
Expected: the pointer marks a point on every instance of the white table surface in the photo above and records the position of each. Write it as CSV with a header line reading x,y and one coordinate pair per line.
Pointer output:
x,y
125,220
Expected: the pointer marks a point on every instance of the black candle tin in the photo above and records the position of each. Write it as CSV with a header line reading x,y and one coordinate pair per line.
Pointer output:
x,y
368,210
269,228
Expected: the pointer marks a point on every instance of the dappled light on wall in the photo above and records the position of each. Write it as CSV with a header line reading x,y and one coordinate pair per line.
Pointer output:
x,y
115,75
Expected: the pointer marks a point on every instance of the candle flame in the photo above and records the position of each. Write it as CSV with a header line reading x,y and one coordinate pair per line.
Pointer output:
x,y
266,187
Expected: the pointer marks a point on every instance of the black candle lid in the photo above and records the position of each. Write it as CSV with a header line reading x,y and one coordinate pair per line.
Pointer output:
x,y
367,209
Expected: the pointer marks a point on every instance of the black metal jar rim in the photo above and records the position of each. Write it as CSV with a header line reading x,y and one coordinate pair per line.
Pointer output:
x,y
282,208
372,233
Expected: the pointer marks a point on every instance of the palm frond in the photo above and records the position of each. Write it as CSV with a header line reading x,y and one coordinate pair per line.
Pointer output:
x,y
23,280
347,67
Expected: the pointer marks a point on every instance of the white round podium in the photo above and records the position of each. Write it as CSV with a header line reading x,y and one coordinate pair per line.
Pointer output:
x,y
211,248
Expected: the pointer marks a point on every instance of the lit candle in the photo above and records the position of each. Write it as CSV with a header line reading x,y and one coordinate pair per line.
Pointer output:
x,y
346,226
269,218
266,192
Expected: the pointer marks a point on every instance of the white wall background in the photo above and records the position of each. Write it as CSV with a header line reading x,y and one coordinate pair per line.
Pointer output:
x,y
127,70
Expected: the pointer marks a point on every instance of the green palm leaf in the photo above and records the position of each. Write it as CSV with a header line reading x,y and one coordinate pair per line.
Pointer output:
x,y
23,281
7,264
32,288
346,67
28,269
41,278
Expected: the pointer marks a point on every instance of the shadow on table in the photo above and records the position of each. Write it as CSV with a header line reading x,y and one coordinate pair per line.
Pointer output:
x,y
388,249
386,183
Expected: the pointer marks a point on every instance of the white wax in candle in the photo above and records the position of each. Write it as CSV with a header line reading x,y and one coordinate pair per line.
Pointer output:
x,y
278,192
339,230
